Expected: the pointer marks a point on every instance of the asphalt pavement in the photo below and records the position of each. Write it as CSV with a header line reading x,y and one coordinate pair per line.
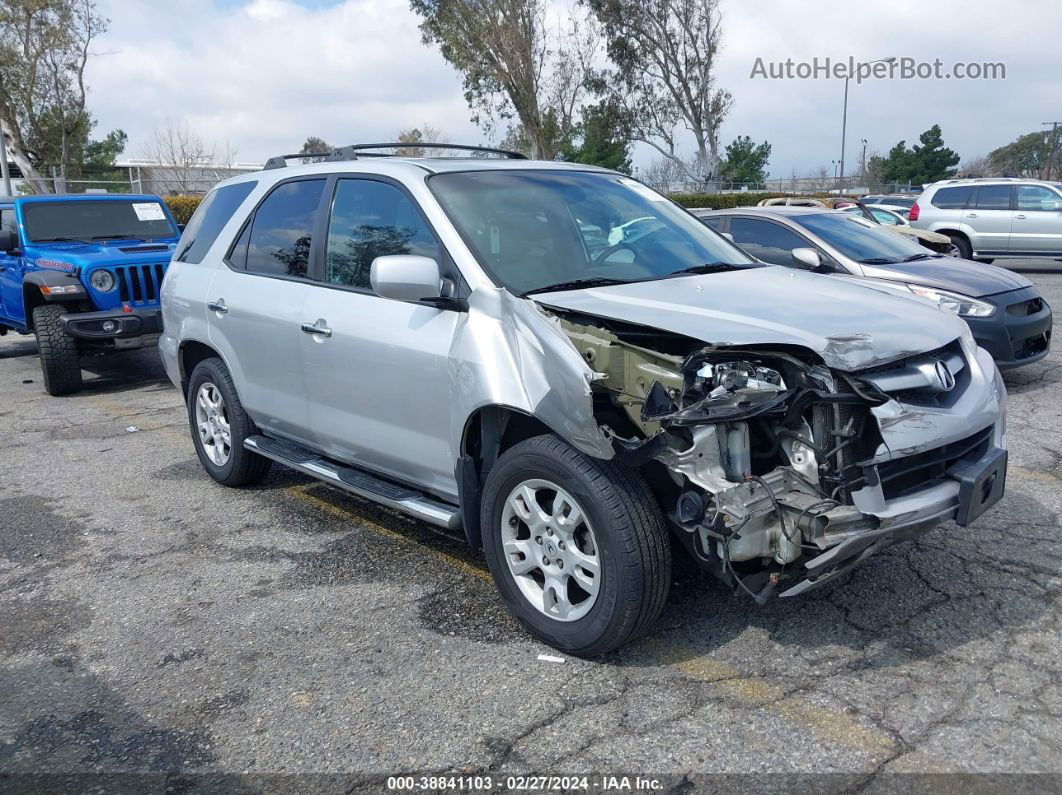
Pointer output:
x,y
152,622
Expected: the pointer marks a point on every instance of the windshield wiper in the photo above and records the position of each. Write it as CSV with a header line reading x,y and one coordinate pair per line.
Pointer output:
x,y
878,261
708,267
60,240
914,257
576,284
119,237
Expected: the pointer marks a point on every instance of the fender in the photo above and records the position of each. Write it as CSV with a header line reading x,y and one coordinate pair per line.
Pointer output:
x,y
44,282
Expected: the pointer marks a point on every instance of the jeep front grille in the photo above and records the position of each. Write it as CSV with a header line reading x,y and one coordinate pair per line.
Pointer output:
x,y
139,284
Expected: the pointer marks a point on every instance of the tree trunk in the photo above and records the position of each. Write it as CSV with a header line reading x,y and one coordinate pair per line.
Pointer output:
x,y
21,158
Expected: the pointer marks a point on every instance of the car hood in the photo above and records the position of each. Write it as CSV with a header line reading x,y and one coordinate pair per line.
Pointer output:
x,y
974,279
849,325
86,255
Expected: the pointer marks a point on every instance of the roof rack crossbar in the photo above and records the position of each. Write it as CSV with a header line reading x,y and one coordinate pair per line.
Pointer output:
x,y
354,151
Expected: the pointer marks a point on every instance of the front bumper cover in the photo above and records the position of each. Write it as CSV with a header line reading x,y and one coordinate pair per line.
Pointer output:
x,y
971,488
134,323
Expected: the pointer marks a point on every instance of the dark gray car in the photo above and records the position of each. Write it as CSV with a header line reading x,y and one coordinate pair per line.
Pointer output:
x,y
1005,311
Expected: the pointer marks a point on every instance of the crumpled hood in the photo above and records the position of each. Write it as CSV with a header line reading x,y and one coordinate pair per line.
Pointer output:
x,y
849,325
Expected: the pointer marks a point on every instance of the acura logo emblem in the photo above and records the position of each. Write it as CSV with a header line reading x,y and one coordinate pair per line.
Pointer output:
x,y
945,377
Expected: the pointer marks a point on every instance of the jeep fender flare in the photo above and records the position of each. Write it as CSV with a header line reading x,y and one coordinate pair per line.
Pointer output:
x,y
33,296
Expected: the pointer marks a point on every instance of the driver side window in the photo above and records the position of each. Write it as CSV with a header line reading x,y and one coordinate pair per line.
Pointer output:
x,y
766,240
7,220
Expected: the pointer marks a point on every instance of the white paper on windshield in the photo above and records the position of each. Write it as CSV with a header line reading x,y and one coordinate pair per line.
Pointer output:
x,y
642,190
149,211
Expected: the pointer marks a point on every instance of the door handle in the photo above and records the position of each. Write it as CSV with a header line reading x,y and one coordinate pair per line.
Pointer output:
x,y
218,306
319,328
971,215
1020,216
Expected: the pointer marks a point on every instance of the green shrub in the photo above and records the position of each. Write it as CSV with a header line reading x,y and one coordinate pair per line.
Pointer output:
x,y
725,201
182,207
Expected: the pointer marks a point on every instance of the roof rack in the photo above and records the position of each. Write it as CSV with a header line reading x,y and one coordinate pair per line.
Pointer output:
x,y
356,151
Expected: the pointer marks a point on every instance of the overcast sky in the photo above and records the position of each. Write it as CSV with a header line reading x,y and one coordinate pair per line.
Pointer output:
x,y
261,75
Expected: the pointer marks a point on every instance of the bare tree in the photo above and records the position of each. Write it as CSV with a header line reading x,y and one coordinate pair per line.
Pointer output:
x,y
44,49
425,133
184,159
664,53
978,167
663,171
514,62
823,179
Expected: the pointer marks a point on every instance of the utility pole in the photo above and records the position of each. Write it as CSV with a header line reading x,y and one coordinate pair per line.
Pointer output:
x,y
863,173
844,114
1054,145
5,173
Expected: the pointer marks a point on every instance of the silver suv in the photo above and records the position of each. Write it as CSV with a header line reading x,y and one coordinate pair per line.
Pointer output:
x,y
482,343
997,218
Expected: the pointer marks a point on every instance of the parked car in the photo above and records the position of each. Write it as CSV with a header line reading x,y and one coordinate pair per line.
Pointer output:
x,y
1005,311
435,335
994,218
905,200
894,222
82,273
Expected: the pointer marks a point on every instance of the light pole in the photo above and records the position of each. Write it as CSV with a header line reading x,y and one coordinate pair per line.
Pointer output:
x,y
844,117
863,173
836,184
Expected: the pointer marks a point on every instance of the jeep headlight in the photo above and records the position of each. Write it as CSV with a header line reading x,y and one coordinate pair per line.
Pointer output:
x,y
961,305
102,280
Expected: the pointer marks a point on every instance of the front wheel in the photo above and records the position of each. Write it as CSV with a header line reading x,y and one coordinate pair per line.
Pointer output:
x,y
60,362
220,425
962,246
577,546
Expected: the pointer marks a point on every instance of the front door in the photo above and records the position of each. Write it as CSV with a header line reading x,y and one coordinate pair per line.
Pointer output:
x,y
989,215
255,307
377,370
1037,225
10,272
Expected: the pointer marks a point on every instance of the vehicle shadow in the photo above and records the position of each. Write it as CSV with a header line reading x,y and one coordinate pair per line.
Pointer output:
x,y
118,372
13,346
1045,373
913,601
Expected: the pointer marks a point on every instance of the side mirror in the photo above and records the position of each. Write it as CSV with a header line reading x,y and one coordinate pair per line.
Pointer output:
x,y
405,277
8,241
728,236
807,258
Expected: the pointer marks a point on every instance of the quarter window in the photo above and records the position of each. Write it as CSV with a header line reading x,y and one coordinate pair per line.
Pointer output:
x,y
951,198
766,240
281,232
1038,198
371,219
209,219
992,197
7,220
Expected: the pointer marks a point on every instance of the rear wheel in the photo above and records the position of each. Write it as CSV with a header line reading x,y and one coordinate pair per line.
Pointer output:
x,y
60,362
577,546
220,425
962,245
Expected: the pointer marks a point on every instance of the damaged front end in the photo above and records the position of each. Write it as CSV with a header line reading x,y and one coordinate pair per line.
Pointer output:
x,y
779,472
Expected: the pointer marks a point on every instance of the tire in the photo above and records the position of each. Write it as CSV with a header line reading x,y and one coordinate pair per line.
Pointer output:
x,y
622,530
236,465
60,362
963,245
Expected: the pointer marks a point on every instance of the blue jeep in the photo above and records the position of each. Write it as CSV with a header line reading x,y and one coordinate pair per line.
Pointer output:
x,y
83,273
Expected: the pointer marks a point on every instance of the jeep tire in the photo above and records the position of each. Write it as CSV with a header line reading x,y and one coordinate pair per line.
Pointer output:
x,y
610,522
213,404
60,362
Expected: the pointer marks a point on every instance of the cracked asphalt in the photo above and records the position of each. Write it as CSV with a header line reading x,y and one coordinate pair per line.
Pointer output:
x,y
152,622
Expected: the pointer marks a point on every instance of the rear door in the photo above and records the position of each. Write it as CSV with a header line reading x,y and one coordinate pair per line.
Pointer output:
x,y
990,215
255,306
377,370
1037,225
10,271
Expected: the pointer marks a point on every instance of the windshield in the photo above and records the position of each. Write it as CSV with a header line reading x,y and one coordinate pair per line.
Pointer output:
x,y
860,239
535,230
96,220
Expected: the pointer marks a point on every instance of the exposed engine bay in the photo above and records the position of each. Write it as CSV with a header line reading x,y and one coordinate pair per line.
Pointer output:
x,y
766,460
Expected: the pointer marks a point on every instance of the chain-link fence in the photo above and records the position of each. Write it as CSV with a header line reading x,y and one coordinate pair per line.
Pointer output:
x,y
793,185
133,177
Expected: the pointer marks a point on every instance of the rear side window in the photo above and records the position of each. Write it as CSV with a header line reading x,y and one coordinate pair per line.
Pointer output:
x,y
371,219
992,197
952,198
277,241
1038,198
209,219
713,221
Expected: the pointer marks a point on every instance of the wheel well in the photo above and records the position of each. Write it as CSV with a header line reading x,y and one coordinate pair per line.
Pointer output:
x,y
31,299
192,353
955,232
489,432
